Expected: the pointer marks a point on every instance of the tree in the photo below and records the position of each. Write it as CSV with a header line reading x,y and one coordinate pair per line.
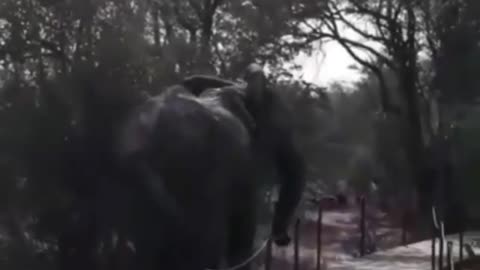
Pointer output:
x,y
404,31
70,70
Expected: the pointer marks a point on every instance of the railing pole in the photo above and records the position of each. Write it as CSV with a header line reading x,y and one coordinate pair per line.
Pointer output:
x,y
433,246
296,262
435,232
440,255
460,241
362,226
268,255
449,255
404,228
319,236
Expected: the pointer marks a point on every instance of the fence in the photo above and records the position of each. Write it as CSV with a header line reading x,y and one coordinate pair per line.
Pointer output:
x,y
362,248
442,260
438,234
296,244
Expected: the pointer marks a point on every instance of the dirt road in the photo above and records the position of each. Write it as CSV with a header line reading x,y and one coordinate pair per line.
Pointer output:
x,y
340,238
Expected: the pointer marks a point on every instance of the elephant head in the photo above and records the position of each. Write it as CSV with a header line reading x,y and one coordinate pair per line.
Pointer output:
x,y
274,122
256,85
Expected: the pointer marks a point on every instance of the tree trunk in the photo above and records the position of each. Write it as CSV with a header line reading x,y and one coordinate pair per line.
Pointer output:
x,y
204,56
156,24
414,141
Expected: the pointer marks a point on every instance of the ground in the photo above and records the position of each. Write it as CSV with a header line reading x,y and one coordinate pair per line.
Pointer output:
x,y
340,242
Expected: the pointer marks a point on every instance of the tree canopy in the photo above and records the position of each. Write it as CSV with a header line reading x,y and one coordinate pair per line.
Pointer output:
x,y
70,70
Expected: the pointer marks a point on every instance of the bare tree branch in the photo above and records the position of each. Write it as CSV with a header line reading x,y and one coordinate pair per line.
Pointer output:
x,y
347,44
426,9
339,16
360,9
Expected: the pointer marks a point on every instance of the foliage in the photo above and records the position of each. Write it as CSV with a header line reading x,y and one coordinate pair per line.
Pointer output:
x,y
70,70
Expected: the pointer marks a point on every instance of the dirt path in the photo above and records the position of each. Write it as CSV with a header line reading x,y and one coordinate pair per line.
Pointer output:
x,y
414,256
340,238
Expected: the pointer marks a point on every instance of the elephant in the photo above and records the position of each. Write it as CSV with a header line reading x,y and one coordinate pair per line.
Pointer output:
x,y
272,141
190,154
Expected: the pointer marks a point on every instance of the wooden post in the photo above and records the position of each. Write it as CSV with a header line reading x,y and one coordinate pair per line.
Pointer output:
x,y
440,255
460,241
435,232
404,228
449,255
434,236
362,226
268,255
296,262
319,236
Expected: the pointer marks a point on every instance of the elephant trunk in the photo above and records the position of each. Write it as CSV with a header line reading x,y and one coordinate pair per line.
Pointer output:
x,y
291,189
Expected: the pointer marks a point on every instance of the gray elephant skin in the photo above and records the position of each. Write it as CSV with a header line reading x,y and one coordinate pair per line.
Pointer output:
x,y
191,154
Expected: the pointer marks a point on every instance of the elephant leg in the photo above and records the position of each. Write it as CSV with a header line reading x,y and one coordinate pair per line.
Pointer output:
x,y
242,227
210,235
217,256
78,242
153,251
145,233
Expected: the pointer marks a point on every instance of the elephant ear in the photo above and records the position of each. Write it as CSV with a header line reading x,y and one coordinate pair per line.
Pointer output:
x,y
199,83
256,83
134,132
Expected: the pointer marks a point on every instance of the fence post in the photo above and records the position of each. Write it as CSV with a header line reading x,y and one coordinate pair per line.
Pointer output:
x,y
362,226
460,241
449,255
319,236
440,255
404,228
434,236
433,247
296,262
268,255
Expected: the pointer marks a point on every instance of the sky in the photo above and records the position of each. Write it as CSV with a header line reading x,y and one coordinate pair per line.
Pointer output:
x,y
331,62
326,65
